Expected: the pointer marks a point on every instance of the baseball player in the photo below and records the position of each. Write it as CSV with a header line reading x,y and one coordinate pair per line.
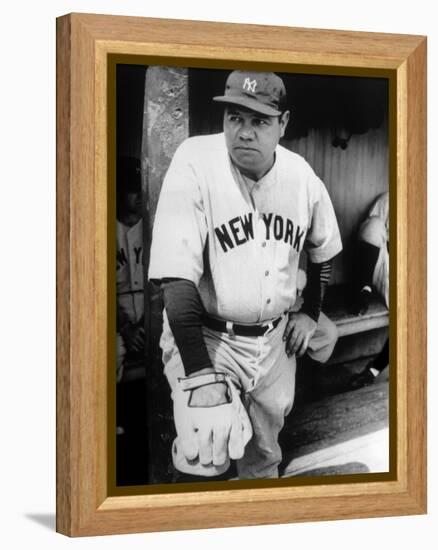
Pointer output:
x,y
372,272
129,263
235,212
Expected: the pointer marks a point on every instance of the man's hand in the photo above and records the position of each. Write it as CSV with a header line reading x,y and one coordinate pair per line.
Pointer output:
x,y
134,337
299,330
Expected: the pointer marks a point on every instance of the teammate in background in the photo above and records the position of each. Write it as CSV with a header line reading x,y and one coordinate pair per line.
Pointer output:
x,y
235,212
372,272
130,337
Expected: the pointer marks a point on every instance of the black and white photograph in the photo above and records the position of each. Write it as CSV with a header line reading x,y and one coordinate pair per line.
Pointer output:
x,y
252,275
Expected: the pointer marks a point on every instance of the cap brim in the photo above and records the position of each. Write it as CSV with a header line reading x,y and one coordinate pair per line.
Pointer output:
x,y
249,103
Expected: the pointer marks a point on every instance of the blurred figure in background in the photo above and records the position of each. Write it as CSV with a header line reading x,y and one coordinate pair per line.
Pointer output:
x,y
371,274
130,337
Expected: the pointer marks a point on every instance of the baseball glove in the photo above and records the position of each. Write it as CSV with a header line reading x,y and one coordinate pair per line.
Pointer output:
x,y
208,436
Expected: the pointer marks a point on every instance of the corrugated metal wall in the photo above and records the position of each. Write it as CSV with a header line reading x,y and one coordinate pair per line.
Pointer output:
x,y
353,177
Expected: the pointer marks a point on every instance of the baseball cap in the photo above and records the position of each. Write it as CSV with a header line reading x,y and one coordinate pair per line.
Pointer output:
x,y
261,92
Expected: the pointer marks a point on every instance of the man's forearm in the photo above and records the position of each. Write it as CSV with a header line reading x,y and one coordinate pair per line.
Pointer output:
x,y
318,276
184,311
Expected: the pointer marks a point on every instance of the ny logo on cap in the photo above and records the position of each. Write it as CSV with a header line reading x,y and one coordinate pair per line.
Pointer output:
x,y
250,85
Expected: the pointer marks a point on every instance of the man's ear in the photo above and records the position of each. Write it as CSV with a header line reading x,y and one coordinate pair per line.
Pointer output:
x,y
284,120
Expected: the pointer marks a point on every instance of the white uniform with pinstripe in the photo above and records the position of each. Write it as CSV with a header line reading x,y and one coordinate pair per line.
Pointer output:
x,y
239,242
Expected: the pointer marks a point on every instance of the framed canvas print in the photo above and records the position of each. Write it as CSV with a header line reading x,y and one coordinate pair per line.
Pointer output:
x,y
237,313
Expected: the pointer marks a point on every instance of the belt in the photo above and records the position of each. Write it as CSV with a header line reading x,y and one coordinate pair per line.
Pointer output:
x,y
239,330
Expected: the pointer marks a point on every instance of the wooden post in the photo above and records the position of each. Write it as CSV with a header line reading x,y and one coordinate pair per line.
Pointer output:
x,y
165,126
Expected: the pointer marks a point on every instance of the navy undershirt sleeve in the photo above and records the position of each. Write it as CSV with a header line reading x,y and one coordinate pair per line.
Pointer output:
x,y
318,276
184,312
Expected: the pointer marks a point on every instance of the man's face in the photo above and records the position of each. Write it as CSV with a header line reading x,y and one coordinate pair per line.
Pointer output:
x,y
132,202
251,138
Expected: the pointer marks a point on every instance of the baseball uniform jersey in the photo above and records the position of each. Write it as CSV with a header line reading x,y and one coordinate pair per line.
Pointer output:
x,y
129,283
239,241
129,274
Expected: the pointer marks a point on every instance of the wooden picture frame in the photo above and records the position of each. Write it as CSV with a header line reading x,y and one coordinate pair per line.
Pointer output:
x,y
84,44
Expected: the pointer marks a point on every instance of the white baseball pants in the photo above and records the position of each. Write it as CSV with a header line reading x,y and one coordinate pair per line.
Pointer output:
x,y
265,376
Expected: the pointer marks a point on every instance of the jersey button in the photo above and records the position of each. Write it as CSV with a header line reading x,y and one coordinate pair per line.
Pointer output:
x,y
268,301
266,273
264,244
